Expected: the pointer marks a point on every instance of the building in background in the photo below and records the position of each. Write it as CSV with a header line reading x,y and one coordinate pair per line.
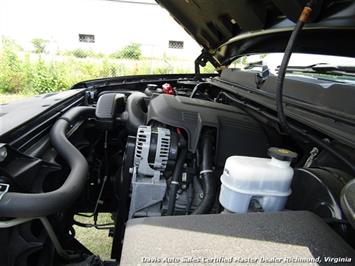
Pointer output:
x,y
100,25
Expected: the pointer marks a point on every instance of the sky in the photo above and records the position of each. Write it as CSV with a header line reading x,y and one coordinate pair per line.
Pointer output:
x,y
114,23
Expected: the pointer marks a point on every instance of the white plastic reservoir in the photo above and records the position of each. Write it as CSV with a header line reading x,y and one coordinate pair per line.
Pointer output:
x,y
265,180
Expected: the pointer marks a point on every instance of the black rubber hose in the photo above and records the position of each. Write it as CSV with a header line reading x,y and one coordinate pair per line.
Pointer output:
x,y
43,204
135,113
174,186
208,183
283,68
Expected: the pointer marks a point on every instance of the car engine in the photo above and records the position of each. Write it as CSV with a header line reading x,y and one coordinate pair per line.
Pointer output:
x,y
140,152
161,172
252,163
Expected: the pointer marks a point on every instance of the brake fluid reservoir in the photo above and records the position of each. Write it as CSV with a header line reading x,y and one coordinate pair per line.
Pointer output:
x,y
264,180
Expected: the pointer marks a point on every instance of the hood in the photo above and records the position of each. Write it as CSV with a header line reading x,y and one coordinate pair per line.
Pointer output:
x,y
227,29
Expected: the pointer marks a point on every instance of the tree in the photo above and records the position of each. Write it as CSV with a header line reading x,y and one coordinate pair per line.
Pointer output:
x,y
131,51
39,45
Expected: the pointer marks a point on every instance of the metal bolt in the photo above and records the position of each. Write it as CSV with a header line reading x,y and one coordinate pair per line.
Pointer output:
x,y
184,177
201,195
131,170
3,152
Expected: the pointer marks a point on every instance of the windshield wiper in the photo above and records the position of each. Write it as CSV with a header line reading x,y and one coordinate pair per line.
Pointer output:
x,y
331,68
323,68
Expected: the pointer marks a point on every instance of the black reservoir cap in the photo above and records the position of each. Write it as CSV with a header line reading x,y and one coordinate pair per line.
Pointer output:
x,y
282,154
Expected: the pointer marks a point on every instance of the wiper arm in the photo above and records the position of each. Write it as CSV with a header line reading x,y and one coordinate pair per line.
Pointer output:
x,y
323,68
331,68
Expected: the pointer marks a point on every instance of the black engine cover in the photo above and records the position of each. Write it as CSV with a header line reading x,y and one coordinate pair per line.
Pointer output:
x,y
237,132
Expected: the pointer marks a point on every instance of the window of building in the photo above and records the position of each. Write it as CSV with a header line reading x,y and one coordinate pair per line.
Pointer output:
x,y
87,38
176,44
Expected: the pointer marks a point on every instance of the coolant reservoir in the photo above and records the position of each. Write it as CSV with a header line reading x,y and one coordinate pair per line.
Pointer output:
x,y
262,180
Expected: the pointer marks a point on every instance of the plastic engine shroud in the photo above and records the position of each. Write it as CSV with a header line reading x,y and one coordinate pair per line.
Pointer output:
x,y
237,132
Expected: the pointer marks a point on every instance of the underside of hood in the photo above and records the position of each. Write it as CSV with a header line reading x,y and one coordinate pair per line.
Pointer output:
x,y
227,29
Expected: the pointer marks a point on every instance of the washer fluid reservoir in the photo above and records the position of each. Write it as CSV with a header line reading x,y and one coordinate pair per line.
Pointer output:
x,y
249,181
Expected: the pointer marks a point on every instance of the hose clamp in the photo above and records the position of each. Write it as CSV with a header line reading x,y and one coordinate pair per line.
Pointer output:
x,y
206,171
4,188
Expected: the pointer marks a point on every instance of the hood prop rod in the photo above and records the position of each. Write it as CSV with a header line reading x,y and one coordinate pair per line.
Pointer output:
x,y
304,18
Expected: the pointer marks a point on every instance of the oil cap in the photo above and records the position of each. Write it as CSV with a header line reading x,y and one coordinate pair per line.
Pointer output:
x,y
282,154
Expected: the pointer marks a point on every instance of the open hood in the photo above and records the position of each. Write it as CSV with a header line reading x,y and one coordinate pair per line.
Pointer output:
x,y
227,29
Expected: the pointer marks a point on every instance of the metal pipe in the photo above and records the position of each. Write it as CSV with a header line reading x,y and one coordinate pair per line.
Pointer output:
x,y
53,237
14,222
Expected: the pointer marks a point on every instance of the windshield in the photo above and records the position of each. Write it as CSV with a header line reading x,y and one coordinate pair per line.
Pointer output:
x,y
317,67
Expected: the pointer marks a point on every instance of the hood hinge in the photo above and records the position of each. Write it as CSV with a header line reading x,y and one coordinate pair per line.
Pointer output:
x,y
202,60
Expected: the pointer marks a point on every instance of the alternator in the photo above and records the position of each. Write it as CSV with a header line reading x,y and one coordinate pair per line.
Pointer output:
x,y
152,150
156,147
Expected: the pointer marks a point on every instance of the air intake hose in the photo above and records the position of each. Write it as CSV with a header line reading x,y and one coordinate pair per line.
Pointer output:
x,y
43,204
135,112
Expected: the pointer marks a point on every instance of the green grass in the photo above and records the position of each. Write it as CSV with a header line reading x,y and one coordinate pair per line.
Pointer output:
x,y
27,73
97,241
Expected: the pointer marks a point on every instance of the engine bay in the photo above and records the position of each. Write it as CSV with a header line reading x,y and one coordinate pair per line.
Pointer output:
x,y
146,150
